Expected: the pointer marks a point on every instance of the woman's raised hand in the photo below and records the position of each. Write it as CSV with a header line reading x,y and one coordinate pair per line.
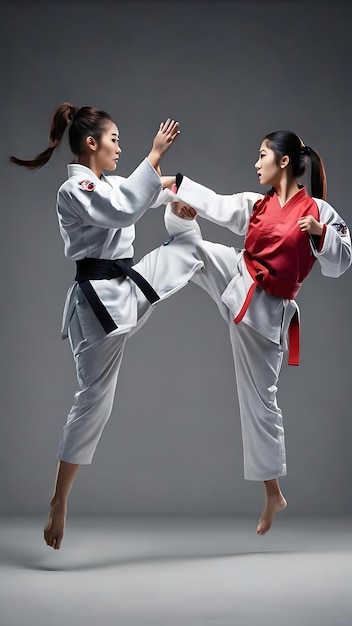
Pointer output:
x,y
164,138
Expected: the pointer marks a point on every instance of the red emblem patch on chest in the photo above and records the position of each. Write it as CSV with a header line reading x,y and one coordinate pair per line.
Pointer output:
x,y
87,185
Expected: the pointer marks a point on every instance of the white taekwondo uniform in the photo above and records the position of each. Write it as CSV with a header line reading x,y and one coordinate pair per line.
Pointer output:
x,y
96,219
259,340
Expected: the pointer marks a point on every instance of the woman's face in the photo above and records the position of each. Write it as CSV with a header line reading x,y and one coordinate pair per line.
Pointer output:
x,y
108,149
269,172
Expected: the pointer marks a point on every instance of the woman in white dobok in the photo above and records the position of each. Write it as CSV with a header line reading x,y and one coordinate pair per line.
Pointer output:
x,y
286,231
111,296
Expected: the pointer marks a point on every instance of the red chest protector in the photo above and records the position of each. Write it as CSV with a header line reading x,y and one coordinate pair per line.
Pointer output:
x,y
278,254
276,246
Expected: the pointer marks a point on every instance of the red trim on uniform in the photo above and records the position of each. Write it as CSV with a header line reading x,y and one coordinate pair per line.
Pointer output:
x,y
294,340
246,304
322,239
174,188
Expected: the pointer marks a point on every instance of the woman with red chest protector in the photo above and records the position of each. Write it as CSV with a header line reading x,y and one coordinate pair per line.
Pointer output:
x,y
286,231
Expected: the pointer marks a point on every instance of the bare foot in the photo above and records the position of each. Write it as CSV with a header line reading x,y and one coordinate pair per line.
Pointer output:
x,y
54,529
274,504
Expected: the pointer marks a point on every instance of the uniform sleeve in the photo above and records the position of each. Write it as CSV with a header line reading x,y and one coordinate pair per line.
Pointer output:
x,y
333,251
231,211
117,205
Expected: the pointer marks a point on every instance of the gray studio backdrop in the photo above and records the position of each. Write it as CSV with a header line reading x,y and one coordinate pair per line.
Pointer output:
x,y
230,72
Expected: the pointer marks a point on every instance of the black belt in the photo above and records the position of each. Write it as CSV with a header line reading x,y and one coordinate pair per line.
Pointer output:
x,y
99,269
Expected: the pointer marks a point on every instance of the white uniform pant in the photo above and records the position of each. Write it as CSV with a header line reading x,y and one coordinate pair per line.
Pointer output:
x,y
257,363
98,356
97,366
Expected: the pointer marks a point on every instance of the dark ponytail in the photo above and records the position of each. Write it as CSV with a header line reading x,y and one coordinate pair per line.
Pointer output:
x,y
317,173
286,143
85,122
61,117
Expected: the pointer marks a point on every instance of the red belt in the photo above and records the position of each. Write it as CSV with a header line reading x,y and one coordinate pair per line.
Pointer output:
x,y
275,287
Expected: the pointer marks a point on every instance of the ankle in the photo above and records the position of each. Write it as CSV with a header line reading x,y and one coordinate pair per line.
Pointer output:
x,y
272,489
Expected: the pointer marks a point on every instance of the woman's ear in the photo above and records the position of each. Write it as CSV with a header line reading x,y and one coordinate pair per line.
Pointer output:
x,y
91,143
284,161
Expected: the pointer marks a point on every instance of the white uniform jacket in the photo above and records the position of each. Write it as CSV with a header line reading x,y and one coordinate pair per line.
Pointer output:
x,y
96,219
268,315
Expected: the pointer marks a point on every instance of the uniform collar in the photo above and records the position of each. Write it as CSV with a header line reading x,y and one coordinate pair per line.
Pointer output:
x,y
76,169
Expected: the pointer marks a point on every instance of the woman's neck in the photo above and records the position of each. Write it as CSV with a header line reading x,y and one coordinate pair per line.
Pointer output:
x,y
285,190
90,163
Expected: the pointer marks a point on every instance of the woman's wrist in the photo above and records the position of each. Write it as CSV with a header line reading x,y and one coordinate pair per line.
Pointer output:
x,y
154,158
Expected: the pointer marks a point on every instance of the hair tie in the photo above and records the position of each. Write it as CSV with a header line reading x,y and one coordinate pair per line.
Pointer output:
x,y
306,150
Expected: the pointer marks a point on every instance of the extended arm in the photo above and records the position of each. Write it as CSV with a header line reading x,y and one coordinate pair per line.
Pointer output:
x,y
232,211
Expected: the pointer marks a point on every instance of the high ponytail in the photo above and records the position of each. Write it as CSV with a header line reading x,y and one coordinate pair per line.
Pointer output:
x,y
85,122
286,143
317,173
61,117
